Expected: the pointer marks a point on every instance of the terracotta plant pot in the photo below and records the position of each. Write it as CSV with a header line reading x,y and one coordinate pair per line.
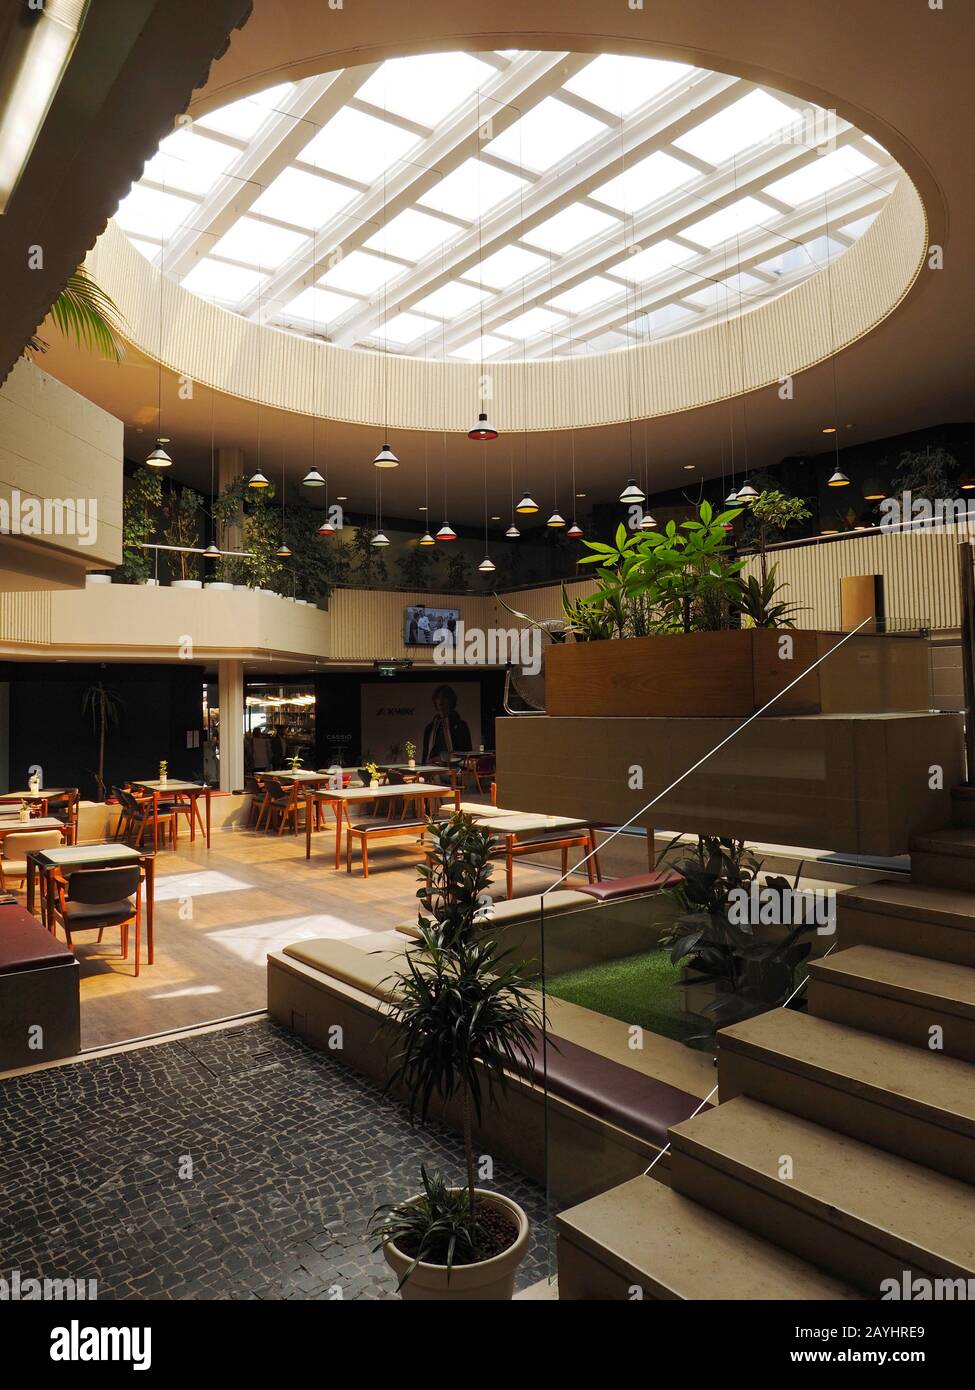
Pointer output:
x,y
491,1280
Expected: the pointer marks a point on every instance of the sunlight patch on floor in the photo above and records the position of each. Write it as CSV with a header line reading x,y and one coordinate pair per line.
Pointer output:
x,y
197,885
254,942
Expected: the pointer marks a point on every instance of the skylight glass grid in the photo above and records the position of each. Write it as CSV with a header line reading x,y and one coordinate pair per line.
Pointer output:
x,y
545,135
318,307
404,328
358,146
360,273
481,348
472,190
587,294
217,280
189,163
621,85
754,119
412,235
258,243
533,322
243,119
427,88
646,182
571,227
644,265
451,300
821,175
149,212
731,221
502,268
305,200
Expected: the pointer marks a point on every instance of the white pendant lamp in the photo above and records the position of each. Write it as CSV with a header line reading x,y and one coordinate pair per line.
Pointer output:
x,y
313,478
647,522
575,531
746,493
838,478
446,533
482,429
326,530
487,565
380,538
632,493
386,458
211,552
159,458
258,481
282,552
555,520
527,506
732,498
512,532
427,539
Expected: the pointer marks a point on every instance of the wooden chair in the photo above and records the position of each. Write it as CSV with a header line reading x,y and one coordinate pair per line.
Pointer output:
x,y
93,899
364,831
260,802
139,817
13,854
481,768
285,804
64,808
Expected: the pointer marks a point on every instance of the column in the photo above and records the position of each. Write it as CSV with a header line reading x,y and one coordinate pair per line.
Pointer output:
x,y
230,676
230,466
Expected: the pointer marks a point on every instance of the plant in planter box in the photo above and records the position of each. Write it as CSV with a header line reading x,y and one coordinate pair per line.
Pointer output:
x,y
141,501
747,972
181,511
759,602
464,1020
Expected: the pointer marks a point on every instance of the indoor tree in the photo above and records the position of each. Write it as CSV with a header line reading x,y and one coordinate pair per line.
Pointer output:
x,y
103,704
770,516
182,510
260,522
140,503
928,473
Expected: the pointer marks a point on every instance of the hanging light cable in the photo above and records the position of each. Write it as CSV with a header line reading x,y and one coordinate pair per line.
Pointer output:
x,y
487,564
385,458
212,552
158,458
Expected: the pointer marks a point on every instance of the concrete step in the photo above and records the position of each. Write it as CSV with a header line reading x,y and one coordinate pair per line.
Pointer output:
x,y
898,996
963,805
641,1240
918,1104
918,919
944,858
860,1213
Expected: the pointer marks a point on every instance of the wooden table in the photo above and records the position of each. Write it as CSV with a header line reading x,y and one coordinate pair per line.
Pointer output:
x,y
45,862
421,769
340,801
13,825
40,799
192,791
509,830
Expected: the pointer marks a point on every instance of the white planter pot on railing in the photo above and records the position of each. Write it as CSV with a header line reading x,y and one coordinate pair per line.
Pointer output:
x,y
186,583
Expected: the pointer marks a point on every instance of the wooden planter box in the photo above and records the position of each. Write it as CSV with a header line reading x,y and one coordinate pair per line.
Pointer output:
x,y
735,674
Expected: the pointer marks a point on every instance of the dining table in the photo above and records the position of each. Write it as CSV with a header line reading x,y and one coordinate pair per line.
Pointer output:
x,y
341,799
43,864
38,799
420,770
13,825
173,787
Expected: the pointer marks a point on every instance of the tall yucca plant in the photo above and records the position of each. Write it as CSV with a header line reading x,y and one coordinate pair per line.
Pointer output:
x,y
84,312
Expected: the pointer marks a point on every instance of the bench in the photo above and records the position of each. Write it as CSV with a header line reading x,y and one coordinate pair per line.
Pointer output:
x,y
571,928
40,1012
582,1114
366,830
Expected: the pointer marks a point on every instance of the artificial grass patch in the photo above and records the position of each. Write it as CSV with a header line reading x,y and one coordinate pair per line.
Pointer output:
x,y
636,989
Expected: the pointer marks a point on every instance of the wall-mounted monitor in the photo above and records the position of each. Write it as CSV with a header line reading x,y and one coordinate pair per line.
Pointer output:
x,y
425,626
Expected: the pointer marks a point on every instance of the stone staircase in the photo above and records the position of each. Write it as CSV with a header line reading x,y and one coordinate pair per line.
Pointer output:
x,y
843,1150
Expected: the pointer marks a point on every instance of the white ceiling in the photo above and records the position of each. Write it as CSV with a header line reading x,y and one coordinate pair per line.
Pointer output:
x,y
505,205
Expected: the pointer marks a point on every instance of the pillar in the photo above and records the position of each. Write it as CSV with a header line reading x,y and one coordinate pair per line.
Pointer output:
x,y
230,466
230,676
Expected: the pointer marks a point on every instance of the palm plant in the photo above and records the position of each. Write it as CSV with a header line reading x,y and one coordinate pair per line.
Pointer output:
x,y
757,601
104,705
84,312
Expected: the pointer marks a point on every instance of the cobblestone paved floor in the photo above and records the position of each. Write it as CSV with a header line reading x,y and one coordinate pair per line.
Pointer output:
x,y
290,1152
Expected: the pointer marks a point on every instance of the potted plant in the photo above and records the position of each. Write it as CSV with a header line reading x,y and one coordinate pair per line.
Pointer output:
x,y
373,772
295,761
410,753
733,967
464,1021
181,509
141,502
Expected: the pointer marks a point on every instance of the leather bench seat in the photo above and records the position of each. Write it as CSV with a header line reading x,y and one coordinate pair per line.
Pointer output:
x,y
387,823
629,1099
623,1096
511,910
26,945
631,886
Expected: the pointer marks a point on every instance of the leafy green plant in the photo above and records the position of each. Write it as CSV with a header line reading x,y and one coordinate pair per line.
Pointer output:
x,y
369,566
759,602
140,503
459,572
260,521
770,515
749,974
182,510
926,473
464,1021
84,312
454,881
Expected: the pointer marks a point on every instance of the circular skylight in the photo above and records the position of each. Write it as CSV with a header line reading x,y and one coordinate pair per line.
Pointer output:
x,y
498,206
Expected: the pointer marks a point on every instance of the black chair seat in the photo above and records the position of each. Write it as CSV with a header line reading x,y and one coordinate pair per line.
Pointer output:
x,y
99,914
387,824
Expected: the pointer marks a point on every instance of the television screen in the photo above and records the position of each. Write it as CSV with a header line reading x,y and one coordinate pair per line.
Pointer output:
x,y
424,626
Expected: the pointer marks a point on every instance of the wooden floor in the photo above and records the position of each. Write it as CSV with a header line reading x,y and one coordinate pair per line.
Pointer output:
x,y
219,912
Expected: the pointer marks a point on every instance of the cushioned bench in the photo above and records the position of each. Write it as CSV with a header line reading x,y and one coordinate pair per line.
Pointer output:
x,y
612,889
593,1112
40,1016
383,829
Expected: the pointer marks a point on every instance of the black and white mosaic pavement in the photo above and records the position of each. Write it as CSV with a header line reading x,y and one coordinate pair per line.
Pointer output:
x,y
234,1164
